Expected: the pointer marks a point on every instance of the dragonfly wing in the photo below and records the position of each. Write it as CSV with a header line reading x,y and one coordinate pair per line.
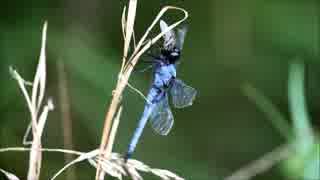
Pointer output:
x,y
181,34
161,119
182,95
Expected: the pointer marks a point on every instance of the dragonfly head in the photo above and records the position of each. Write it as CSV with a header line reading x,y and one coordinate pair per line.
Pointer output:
x,y
172,55
173,42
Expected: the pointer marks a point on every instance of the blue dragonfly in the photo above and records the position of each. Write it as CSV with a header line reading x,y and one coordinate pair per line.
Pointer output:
x,y
157,107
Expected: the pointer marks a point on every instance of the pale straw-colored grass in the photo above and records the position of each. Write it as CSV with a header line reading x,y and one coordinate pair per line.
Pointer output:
x,y
39,111
9,175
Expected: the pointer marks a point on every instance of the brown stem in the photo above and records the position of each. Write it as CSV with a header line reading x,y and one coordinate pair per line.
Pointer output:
x,y
108,122
65,116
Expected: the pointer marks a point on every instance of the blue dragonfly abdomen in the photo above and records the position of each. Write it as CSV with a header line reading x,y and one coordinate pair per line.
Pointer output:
x,y
162,76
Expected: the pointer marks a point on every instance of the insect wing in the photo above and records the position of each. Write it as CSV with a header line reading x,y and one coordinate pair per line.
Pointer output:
x,y
161,118
169,36
182,95
181,34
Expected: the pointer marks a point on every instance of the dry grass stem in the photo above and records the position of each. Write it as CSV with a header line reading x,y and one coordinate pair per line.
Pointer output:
x,y
9,175
112,137
26,135
114,131
38,112
42,149
115,165
66,121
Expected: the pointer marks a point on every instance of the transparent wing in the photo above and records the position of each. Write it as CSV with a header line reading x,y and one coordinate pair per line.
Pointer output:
x,y
169,37
182,95
181,34
161,119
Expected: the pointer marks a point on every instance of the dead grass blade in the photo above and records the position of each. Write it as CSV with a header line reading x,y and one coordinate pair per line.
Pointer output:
x,y
10,176
130,24
39,82
34,105
38,91
82,157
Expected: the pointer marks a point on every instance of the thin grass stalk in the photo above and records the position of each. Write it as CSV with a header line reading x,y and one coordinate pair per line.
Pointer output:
x,y
68,151
112,136
9,175
37,97
108,121
277,119
127,25
66,121
263,164
114,130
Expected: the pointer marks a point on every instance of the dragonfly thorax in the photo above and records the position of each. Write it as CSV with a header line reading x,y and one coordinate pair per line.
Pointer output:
x,y
163,75
172,56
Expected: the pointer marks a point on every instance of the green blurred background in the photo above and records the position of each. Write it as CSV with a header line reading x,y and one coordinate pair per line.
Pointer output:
x,y
229,44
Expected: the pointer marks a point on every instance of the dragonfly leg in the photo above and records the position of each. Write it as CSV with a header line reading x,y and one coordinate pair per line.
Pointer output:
x,y
150,54
145,69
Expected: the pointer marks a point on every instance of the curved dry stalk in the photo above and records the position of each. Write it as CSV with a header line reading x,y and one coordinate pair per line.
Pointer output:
x,y
9,175
67,151
138,92
82,157
38,111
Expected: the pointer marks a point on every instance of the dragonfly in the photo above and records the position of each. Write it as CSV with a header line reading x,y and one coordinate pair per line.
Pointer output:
x,y
165,83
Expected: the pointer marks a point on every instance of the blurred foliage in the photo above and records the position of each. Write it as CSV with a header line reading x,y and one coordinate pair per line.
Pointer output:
x,y
229,44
